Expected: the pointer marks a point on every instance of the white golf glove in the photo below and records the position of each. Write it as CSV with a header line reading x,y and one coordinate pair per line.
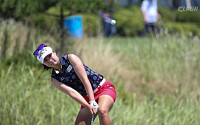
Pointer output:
x,y
94,104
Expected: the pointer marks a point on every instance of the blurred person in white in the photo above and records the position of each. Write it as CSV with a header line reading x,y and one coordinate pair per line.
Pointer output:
x,y
150,13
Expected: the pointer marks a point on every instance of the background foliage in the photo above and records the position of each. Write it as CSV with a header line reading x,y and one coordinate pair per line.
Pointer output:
x,y
23,8
46,15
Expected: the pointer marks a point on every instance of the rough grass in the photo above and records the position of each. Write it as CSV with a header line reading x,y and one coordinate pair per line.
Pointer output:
x,y
160,77
165,66
15,37
27,98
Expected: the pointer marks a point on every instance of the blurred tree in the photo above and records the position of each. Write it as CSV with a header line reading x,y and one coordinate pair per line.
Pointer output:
x,y
21,8
84,6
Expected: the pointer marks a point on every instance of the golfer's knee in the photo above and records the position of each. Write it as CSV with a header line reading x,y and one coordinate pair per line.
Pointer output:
x,y
103,112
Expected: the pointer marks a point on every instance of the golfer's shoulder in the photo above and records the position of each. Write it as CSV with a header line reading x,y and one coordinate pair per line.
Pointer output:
x,y
72,57
67,57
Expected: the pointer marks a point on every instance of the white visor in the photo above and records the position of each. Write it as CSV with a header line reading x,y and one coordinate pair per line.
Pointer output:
x,y
43,53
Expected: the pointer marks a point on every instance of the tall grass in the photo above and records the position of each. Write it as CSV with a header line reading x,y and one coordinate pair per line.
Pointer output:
x,y
99,56
159,75
15,37
27,97
164,66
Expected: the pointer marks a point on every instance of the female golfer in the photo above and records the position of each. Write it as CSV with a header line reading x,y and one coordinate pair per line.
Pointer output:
x,y
95,94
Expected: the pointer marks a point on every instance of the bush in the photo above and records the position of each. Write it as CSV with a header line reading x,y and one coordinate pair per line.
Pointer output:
x,y
184,29
90,25
180,22
166,14
46,21
49,21
188,16
129,21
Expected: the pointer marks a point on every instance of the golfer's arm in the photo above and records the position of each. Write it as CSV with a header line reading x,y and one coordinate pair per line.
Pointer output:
x,y
69,91
80,71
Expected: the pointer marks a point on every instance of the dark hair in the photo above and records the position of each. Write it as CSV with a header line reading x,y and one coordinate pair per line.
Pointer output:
x,y
46,67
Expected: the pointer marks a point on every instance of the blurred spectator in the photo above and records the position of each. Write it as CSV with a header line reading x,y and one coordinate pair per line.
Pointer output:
x,y
108,22
150,13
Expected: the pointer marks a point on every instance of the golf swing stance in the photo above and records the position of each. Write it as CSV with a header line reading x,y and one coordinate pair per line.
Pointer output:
x,y
90,89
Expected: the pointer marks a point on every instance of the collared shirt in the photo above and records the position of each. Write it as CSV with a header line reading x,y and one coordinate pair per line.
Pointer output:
x,y
150,7
68,76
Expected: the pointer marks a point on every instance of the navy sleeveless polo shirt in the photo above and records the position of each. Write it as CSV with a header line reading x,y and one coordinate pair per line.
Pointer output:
x,y
68,76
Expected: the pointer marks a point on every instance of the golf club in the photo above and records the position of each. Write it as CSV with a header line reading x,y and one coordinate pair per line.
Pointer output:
x,y
92,119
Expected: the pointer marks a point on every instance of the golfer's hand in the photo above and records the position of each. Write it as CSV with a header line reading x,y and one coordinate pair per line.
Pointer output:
x,y
94,105
92,109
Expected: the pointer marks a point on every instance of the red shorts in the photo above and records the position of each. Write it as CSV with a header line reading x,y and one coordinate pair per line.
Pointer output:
x,y
106,89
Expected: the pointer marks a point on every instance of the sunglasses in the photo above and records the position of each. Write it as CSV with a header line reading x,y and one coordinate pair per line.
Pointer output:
x,y
40,47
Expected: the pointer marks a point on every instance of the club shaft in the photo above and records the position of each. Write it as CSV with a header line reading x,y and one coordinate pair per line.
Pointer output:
x,y
92,119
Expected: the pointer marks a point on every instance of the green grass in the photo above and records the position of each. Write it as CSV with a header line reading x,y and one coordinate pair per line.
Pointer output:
x,y
27,98
156,80
166,65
